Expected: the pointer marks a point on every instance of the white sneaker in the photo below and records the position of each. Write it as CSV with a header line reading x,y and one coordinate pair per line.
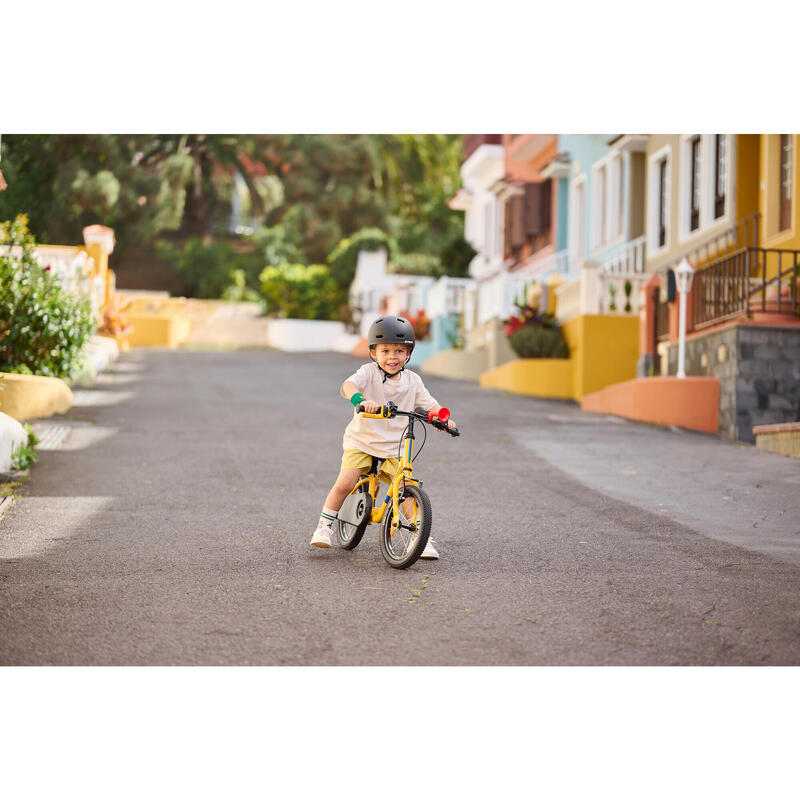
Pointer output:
x,y
430,550
322,536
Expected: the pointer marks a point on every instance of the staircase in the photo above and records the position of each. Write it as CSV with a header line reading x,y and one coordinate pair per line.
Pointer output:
x,y
747,282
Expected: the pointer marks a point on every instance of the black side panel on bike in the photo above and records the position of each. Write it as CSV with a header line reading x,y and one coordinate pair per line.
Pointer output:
x,y
356,508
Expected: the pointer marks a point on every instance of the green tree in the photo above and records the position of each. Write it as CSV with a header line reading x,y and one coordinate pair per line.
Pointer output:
x,y
65,182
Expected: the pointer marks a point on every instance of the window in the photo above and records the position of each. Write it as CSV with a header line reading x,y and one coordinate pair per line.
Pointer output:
x,y
547,202
694,191
662,203
537,202
786,182
720,173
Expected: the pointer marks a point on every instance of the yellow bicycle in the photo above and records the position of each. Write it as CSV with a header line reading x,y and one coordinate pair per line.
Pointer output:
x,y
405,514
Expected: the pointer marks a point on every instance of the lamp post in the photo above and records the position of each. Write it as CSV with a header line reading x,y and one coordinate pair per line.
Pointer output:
x,y
684,275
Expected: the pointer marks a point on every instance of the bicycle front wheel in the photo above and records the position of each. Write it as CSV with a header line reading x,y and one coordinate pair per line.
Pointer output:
x,y
403,545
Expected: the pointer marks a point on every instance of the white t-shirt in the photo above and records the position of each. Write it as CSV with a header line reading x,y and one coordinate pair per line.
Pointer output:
x,y
381,437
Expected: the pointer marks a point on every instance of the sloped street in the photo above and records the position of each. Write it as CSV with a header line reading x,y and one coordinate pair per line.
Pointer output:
x,y
168,522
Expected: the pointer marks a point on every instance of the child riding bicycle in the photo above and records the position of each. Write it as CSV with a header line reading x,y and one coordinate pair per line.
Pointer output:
x,y
391,341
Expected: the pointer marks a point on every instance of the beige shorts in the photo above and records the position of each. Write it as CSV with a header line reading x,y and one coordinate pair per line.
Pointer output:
x,y
356,459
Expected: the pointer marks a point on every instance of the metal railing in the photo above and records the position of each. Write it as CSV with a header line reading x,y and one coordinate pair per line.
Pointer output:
x,y
662,319
741,235
778,293
740,283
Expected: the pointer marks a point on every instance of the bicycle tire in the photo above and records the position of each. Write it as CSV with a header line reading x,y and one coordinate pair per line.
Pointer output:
x,y
349,536
404,548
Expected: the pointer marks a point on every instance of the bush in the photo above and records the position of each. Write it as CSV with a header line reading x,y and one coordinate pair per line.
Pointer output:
x,y
42,328
534,341
416,264
300,292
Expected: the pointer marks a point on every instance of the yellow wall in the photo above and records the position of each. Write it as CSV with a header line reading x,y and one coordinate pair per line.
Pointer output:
x,y
158,330
603,350
541,377
747,175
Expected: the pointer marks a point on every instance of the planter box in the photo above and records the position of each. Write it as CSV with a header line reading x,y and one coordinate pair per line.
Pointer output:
x,y
303,335
33,396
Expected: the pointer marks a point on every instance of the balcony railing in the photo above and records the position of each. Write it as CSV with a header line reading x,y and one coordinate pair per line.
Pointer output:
x,y
446,296
740,284
627,260
742,234
557,262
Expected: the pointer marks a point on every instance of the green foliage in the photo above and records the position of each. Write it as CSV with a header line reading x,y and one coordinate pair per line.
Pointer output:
x,y
25,455
344,257
237,290
534,341
42,327
275,246
209,269
416,264
309,191
65,182
329,189
204,268
300,292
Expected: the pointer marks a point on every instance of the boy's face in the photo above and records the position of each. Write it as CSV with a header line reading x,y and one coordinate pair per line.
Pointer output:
x,y
391,357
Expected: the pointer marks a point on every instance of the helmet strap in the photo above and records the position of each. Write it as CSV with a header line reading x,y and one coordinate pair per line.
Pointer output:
x,y
385,373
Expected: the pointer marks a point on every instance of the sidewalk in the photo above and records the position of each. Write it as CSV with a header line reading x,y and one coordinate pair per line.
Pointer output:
x,y
728,491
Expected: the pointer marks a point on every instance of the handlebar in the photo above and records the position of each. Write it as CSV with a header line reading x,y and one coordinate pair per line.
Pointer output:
x,y
391,410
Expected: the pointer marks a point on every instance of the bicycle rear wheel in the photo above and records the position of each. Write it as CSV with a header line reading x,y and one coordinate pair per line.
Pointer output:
x,y
349,536
402,547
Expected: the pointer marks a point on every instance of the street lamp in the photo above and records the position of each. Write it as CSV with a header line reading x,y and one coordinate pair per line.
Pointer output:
x,y
684,275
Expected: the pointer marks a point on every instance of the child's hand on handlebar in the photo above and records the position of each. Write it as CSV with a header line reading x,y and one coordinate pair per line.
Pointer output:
x,y
370,407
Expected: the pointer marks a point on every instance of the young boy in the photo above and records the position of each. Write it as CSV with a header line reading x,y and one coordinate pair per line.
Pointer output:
x,y
391,341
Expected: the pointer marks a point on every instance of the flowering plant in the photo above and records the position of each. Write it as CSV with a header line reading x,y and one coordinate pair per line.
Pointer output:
x,y
535,334
420,323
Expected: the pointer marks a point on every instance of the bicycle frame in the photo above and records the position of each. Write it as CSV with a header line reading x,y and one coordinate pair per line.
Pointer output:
x,y
404,474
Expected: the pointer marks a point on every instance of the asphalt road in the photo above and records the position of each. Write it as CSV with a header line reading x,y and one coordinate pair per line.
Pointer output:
x,y
171,526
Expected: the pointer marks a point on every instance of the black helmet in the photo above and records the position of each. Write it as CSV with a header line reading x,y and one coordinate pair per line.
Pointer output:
x,y
387,330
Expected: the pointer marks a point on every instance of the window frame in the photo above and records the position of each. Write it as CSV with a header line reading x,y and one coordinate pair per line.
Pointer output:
x,y
695,182
786,166
608,201
721,146
577,233
654,197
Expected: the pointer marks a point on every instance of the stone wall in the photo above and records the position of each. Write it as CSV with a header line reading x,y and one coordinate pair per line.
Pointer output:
x,y
758,368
